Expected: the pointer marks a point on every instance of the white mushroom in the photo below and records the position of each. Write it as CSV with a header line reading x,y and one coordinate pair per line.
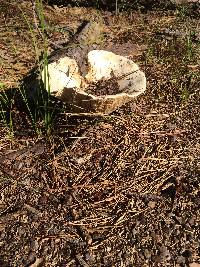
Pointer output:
x,y
64,81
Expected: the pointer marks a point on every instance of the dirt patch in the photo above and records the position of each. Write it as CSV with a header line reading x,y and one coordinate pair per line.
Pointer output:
x,y
104,87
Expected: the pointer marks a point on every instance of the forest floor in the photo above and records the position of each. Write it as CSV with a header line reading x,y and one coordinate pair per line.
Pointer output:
x,y
114,190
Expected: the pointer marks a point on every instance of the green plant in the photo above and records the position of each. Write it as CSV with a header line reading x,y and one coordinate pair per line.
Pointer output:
x,y
182,11
189,47
186,86
42,105
5,109
185,94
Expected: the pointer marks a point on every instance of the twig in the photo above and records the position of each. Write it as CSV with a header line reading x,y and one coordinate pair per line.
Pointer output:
x,y
81,261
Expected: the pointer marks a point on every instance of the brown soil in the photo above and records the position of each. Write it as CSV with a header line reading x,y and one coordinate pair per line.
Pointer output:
x,y
104,87
118,190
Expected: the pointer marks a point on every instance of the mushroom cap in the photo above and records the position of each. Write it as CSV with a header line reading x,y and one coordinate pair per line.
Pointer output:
x,y
64,80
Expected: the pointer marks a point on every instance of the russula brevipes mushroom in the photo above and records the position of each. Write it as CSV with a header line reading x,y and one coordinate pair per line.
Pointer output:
x,y
111,81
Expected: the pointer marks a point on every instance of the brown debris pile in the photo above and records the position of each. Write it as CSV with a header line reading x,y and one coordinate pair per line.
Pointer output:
x,y
104,87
